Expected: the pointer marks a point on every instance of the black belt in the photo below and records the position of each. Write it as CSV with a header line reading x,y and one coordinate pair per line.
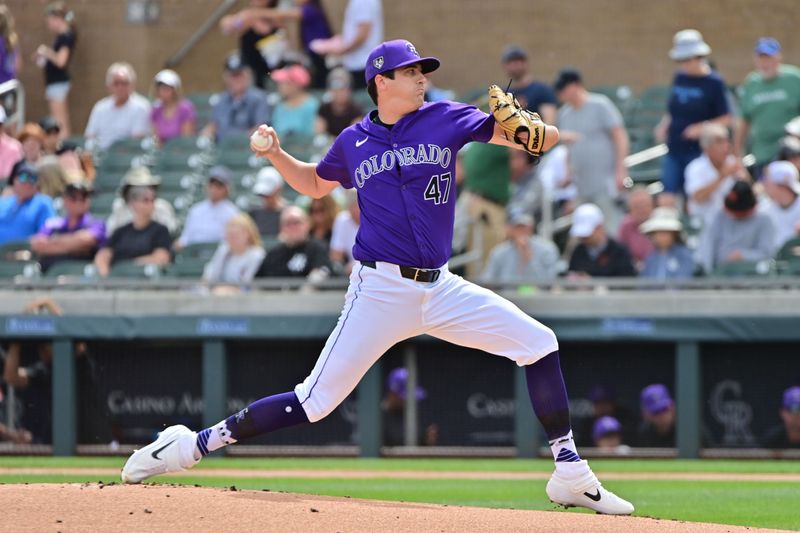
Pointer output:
x,y
417,274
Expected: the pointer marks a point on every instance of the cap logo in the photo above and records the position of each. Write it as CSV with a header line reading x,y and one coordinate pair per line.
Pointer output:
x,y
377,62
411,49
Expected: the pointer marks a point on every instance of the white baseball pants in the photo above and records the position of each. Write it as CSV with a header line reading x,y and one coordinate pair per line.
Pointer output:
x,y
383,308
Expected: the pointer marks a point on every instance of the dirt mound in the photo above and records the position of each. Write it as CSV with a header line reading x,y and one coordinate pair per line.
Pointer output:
x,y
98,507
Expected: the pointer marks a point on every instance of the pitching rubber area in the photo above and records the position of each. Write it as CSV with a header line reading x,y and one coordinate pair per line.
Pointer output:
x,y
113,507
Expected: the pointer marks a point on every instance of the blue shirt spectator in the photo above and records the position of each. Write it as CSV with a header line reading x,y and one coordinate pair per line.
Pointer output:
x,y
25,211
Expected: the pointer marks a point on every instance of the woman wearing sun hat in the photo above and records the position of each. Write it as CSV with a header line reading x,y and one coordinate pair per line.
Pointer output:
x,y
698,96
670,259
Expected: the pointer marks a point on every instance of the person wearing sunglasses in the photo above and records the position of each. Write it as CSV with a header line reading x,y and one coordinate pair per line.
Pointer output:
x,y
24,211
74,237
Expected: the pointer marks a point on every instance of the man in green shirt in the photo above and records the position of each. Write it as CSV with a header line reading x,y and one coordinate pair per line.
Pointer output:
x,y
769,98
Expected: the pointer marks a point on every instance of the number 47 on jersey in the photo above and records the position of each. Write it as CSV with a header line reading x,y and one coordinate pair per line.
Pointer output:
x,y
438,188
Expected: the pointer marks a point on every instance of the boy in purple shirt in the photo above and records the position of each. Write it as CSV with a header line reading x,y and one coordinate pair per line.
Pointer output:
x,y
401,159
74,237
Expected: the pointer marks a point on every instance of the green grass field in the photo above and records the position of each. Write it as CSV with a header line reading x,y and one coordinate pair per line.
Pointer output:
x,y
773,504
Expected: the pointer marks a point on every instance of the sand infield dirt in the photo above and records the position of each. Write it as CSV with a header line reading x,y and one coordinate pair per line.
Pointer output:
x,y
97,507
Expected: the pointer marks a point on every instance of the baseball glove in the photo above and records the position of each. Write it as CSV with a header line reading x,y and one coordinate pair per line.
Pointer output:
x,y
519,125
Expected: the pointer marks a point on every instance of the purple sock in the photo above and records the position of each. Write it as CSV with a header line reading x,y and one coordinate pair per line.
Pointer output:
x,y
549,395
262,416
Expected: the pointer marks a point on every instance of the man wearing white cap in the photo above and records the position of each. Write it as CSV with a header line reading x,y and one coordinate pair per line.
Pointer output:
x,y
769,98
597,255
782,185
269,186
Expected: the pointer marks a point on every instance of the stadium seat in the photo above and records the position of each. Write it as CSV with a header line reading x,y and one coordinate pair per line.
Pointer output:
x,y
363,99
188,268
25,269
131,146
70,268
789,251
16,251
129,269
102,204
186,145
621,95
201,251
736,269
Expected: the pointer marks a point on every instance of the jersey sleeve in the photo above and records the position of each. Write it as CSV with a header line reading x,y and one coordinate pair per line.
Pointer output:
x,y
471,123
333,166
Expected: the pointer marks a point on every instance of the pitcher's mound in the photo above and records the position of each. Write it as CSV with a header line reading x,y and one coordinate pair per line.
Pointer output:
x,y
98,507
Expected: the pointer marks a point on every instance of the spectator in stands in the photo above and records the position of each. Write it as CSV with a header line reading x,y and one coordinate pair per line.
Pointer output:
x,y
526,185
73,237
737,233
10,57
10,149
32,140
597,255
241,108
56,62
592,127
343,237
269,187
172,115
52,135
26,210
607,435
52,177
207,219
531,94
121,212
486,193
142,241
782,185
124,114
698,96
258,38
658,418
640,207
296,113
323,212
787,435
362,30
313,25
238,257
393,407
340,111
769,98
670,258
524,257
297,255
710,177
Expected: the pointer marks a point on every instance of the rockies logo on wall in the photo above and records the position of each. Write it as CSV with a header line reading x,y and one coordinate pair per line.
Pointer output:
x,y
378,62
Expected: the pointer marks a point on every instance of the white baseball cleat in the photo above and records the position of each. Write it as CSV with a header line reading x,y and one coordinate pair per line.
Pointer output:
x,y
583,489
172,451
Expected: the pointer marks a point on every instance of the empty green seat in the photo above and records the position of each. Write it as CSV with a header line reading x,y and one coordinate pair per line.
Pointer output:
x,y
16,251
129,269
70,268
23,269
735,269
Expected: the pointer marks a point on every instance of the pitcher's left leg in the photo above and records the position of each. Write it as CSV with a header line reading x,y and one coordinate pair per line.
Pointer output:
x,y
468,315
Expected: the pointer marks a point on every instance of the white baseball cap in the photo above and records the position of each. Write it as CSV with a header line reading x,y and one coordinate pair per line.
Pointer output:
x,y
168,77
662,219
268,181
783,173
585,220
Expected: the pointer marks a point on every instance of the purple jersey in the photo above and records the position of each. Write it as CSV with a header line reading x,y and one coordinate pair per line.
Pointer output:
x,y
406,180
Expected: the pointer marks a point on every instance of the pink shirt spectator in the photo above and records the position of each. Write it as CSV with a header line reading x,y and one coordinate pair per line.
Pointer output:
x,y
10,153
167,128
638,244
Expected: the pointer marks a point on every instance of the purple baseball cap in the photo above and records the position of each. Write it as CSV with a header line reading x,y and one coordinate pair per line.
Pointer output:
x,y
656,398
767,46
395,54
604,426
397,382
791,399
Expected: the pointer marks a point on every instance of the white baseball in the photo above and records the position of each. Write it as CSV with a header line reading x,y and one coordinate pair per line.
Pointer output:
x,y
261,142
